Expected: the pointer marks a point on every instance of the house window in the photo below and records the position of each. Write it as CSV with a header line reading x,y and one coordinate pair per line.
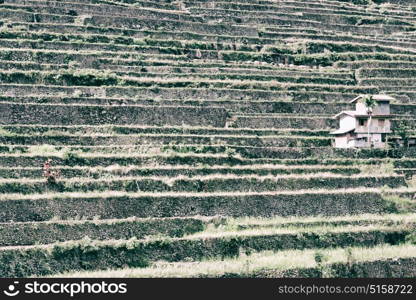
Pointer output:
x,y
381,122
361,122
383,138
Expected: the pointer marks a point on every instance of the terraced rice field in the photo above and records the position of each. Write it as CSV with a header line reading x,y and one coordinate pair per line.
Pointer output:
x,y
192,138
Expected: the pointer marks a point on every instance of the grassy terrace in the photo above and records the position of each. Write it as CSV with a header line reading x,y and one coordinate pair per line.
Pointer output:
x,y
192,138
114,204
31,233
177,80
109,95
42,130
230,81
227,52
337,263
161,144
207,245
399,159
205,183
190,40
250,9
189,96
97,172
182,39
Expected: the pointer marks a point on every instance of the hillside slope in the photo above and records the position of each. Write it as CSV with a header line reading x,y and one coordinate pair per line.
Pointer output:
x,y
187,131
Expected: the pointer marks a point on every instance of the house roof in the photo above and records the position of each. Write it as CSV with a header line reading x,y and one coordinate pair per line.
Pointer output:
x,y
356,114
351,113
379,98
373,116
342,131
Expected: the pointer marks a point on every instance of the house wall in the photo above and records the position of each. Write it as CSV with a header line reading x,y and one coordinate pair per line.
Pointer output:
x,y
343,141
376,126
376,140
347,122
386,127
351,143
361,141
382,108
360,108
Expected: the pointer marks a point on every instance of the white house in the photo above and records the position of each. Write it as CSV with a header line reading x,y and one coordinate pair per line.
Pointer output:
x,y
362,127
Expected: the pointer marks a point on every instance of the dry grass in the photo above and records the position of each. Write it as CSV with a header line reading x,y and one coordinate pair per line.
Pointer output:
x,y
171,180
318,219
106,194
224,232
383,168
412,182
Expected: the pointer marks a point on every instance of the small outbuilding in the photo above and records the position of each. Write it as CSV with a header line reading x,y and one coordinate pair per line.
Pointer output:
x,y
365,126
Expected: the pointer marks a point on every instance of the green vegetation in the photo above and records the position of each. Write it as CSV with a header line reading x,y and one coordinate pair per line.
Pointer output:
x,y
191,139
402,130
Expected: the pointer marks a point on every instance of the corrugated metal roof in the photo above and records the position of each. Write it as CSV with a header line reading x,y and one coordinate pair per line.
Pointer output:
x,y
351,113
379,97
342,131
